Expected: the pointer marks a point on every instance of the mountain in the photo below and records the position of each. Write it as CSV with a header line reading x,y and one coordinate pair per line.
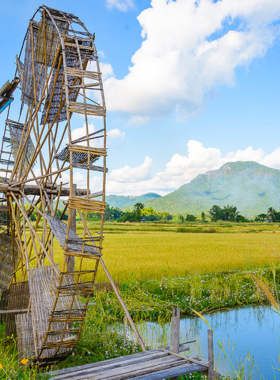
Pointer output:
x,y
127,202
248,185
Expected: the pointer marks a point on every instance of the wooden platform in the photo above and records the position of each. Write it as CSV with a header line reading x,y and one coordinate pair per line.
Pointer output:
x,y
157,364
150,365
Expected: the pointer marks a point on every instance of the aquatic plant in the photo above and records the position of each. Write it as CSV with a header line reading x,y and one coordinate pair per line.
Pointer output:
x,y
271,292
242,369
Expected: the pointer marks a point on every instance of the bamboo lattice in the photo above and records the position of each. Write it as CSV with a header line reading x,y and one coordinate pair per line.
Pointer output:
x,y
56,78
52,67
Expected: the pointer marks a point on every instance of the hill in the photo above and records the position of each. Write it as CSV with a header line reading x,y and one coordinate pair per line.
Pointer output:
x,y
127,202
248,185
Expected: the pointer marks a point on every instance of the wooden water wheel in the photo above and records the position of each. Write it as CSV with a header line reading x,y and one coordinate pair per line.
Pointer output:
x,y
60,75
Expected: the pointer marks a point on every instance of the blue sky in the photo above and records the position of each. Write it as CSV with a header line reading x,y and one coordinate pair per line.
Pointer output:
x,y
189,85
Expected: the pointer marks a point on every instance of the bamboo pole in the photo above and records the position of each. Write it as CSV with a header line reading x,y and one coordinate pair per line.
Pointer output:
x,y
71,259
37,237
130,320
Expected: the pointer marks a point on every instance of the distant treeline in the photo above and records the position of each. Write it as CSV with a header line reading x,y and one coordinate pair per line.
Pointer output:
x,y
138,213
227,213
142,213
272,215
216,213
230,213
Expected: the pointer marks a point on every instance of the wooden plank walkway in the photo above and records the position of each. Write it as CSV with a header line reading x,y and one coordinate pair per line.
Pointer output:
x,y
150,365
157,364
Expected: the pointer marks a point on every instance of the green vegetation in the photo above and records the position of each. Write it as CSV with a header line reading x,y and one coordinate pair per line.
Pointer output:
x,y
272,215
104,334
160,266
116,214
227,213
10,367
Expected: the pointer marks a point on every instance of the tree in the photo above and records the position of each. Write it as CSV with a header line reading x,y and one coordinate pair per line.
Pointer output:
x,y
203,217
190,218
112,213
181,218
127,217
59,213
261,217
165,215
138,207
240,218
277,216
215,213
148,211
229,213
271,212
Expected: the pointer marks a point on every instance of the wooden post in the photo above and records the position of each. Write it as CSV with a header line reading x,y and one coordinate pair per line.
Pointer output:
x,y
210,355
71,259
175,334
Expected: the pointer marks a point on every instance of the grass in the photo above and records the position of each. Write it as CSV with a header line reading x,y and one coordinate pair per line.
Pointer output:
x,y
211,291
104,335
10,367
160,266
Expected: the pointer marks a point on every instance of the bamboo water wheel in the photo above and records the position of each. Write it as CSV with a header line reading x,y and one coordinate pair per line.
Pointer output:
x,y
38,149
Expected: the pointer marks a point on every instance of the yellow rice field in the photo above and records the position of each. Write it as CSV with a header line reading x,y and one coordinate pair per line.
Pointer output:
x,y
155,255
138,255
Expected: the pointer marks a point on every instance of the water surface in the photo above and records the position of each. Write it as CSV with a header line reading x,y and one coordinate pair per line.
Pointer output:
x,y
254,330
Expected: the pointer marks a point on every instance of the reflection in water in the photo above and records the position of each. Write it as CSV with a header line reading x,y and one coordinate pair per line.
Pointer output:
x,y
254,329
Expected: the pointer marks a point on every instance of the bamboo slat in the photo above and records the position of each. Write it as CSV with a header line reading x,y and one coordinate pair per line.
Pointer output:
x,y
43,288
83,149
86,204
59,229
25,338
89,109
83,73
18,299
4,304
6,261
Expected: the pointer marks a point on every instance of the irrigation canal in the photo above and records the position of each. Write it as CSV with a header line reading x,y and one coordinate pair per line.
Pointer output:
x,y
254,330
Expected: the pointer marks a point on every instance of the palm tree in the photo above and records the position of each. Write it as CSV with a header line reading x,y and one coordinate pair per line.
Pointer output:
x,y
271,213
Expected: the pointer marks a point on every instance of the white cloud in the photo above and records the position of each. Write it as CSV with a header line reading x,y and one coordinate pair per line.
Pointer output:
x,y
181,169
106,70
178,171
115,138
101,54
113,135
116,134
81,132
138,120
122,5
128,174
189,49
